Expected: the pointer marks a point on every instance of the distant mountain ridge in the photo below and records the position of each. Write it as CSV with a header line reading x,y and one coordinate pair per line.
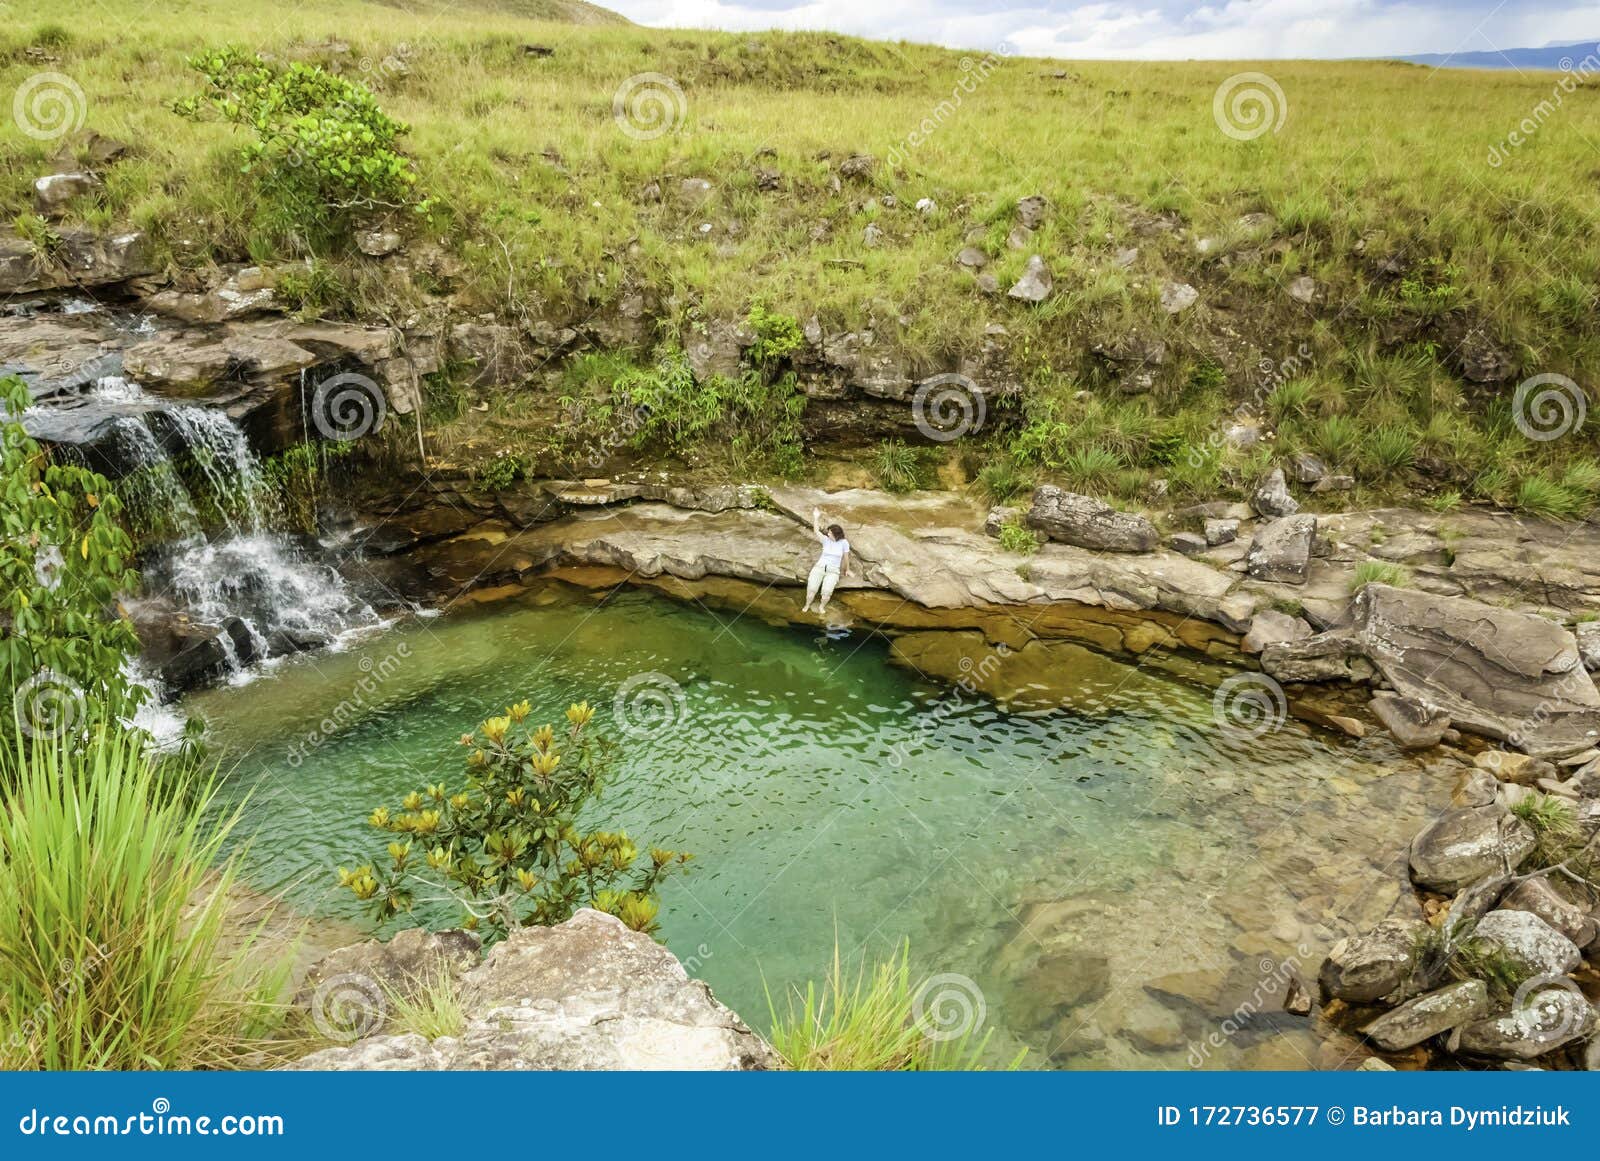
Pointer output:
x,y
1552,56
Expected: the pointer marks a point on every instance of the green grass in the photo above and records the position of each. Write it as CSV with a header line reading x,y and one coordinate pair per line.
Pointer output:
x,y
899,468
433,1009
114,940
1380,572
548,211
873,1022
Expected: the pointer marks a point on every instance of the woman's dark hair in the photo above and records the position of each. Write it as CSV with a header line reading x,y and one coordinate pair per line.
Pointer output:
x,y
836,532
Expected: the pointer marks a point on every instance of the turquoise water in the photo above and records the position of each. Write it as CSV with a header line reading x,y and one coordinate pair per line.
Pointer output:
x,y
828,793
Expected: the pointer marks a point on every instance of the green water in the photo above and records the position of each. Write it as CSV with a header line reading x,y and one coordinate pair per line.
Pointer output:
x,y
827,793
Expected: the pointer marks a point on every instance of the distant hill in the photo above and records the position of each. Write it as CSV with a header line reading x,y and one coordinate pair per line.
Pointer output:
x,y
1551,56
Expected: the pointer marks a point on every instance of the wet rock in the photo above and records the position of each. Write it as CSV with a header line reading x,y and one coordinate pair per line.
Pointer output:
x,y
1089,523
1539,897
1272,498
1416,725
1281,550
1270,627
1142,1022
54,193
1035,283
1297,998
1221,532
1063,978
200,657
1429,1015
587,994
1466,844
1365,968
1522,769
1177,297
1496,672
1529,942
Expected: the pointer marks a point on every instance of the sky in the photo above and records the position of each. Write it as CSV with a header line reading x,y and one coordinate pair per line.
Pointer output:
x,y
1156,29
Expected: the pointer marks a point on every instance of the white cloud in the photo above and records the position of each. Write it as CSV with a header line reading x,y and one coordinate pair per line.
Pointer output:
x,y
1156,29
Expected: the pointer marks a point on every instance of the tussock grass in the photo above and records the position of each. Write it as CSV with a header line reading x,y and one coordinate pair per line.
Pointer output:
x,y
432,1009
113,934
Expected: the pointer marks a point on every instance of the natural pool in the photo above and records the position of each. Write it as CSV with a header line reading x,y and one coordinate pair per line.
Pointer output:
x,y
1114,870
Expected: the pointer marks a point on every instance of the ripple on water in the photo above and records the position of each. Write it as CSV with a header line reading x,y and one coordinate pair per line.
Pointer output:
x,y
1069,840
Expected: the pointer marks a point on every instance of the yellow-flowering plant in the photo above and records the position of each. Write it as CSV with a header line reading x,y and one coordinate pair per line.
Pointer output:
x,y
509,844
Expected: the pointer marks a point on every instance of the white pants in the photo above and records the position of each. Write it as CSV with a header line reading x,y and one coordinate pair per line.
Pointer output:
x,y
824,575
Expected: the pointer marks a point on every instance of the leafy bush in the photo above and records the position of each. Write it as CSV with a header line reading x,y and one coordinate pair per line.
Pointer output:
x,y
112,950
899,468
1015,536
499,473
869,1024
324,154
509,847
64,561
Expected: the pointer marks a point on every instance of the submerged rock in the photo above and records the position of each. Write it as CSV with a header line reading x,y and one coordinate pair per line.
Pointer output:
x,y
1416,725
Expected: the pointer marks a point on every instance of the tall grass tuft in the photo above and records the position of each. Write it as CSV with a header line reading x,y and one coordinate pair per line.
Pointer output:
x,y
113,930
868,1024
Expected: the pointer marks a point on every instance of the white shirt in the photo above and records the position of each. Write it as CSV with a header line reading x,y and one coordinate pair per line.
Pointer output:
x,y
834,550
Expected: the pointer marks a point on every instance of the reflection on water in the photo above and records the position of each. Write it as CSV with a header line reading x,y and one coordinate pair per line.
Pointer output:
x,y
1113,871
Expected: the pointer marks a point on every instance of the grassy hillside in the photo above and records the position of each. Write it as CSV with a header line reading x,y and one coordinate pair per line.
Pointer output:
x,y
1428,260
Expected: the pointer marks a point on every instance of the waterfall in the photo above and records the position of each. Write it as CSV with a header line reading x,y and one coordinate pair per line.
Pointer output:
x,y
285,599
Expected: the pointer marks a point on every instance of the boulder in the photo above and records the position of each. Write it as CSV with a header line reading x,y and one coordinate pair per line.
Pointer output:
x,y
587,994
1361,969
1503,674
1415,724
1308,469
1588,638
1035,283
1528,941
1271,497
1553,1017
1089,523
1280,552
1188,543
82,259
1540,897
1463,845
1521,769
1428,1015
403,966
998,518
54,193
1330,656
1270,627
1220,532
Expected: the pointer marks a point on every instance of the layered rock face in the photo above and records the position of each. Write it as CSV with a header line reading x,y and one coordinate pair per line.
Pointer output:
x,y
586,994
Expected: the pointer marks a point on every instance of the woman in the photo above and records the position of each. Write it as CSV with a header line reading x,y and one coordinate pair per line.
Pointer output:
x,y
831,565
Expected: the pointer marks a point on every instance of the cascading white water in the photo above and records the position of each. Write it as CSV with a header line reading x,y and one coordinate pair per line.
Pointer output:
x,y
285,600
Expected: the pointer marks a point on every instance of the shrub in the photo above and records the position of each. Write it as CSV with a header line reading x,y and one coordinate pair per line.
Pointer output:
x,y
499,473
1015,536
1004,480
112,948
899,468
323,153
869,1024
508,847
63,563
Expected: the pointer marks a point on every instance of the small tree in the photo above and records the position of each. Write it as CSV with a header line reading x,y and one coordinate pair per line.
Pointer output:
x,y
64,561
508,847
